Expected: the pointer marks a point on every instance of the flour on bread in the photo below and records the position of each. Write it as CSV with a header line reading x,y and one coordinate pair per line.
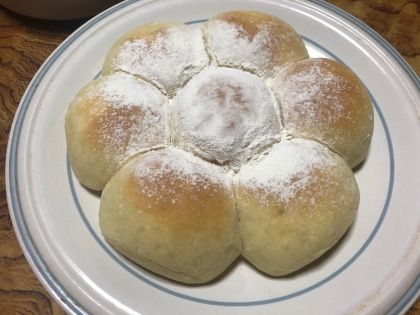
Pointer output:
x,y
225,116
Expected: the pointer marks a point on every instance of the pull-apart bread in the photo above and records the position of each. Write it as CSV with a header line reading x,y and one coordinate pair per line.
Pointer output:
x,y
218,141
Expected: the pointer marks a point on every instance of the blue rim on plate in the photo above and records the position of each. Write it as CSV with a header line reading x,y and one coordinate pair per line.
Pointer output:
x,y
42,269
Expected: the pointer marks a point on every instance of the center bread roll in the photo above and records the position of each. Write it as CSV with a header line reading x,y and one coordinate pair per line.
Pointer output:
x,y
174,214
225,116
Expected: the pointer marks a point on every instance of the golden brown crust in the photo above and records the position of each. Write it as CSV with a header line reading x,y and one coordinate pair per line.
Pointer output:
x,y
296,213
323,100
107,124
165,54
147,32
174,214
270,42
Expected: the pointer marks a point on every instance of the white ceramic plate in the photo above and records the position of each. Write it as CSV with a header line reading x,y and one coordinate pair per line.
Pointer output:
x,y
373,270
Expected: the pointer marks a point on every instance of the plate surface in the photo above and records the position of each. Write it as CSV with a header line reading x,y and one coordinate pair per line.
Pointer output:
x,y
374,268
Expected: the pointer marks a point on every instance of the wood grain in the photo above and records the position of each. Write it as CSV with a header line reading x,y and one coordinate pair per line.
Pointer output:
x,y
25,43
398,21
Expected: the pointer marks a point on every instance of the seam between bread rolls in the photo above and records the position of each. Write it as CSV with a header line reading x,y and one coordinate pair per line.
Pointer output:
x,y
291,136
141,78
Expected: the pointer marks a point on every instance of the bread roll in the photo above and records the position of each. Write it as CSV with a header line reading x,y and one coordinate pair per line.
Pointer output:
x,y
110,120
294,205
165,54
225,116
173,214
253,41
323,100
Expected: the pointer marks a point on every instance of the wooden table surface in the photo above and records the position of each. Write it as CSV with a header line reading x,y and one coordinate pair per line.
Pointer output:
x,y
25,43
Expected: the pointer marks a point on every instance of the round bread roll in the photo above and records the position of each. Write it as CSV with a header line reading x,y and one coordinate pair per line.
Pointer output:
x,y
323,100
294,205
173,214
225,116
110,120
165,54
253,41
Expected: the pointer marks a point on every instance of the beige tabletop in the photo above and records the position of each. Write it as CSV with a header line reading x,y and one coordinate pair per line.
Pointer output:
x,y
25,43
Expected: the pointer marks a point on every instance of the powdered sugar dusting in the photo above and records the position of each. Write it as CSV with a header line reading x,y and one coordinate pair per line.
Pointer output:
x,y
264,52
177,174
169,59
312,95
225,116
133,118
231,48
286,170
